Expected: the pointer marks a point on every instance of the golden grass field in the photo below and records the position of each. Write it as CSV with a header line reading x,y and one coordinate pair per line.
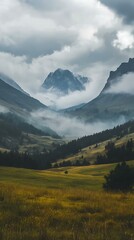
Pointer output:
x,y
52,205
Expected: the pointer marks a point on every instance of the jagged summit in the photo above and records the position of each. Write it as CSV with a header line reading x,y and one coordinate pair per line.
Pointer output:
x,y
64,81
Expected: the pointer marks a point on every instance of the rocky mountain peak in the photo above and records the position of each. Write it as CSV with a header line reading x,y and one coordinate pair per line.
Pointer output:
x,y
64,81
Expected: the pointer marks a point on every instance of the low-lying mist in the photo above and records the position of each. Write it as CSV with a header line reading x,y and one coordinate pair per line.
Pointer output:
x,y
68,127
64,126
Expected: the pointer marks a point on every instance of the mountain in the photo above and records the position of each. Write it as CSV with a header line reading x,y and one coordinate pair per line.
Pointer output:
x,y
109,105
11,82
16,100
64,81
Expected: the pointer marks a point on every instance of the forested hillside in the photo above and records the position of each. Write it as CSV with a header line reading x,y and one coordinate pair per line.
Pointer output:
x,y
44,160
76,145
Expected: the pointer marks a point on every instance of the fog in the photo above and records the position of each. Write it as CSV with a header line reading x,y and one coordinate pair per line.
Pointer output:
x,y
3,109
124,85
67,127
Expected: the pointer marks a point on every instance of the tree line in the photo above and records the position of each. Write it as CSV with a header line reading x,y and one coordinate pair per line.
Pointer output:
x,y
24,160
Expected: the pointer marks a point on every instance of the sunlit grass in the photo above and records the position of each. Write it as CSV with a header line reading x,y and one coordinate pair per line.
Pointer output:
x,y
50,205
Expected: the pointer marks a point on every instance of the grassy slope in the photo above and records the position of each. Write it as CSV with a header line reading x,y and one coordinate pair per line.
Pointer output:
x,y
39,142
41,205
91,153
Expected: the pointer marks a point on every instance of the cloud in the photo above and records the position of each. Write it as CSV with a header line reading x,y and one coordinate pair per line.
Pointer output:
x,y
124,40
123,8
27,33
44,4
124,84
40,27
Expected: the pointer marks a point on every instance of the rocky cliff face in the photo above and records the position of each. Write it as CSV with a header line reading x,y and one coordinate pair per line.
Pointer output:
x,y
64,81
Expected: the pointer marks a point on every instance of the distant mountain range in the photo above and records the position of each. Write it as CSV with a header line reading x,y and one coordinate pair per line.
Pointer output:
x,y
64,81
109,105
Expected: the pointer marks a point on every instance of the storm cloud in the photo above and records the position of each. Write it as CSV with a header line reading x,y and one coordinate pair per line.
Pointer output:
x,y
123,8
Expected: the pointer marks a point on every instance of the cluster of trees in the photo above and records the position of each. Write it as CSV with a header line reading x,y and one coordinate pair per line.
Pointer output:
x,y
116,154
120,179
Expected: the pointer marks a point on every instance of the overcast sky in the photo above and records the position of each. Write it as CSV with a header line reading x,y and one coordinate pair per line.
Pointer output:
x,y
89,37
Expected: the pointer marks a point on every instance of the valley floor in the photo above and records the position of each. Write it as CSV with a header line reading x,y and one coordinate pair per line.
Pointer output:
x,y
41,205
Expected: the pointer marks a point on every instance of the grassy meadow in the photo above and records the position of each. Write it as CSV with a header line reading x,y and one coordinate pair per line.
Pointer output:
x,y
52,205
